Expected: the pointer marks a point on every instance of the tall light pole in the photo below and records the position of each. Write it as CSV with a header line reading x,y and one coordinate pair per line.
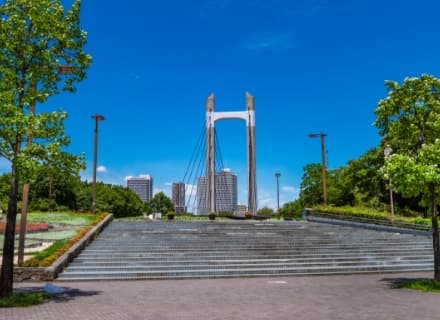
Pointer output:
x,y
277,176
97,118
387,152
324,175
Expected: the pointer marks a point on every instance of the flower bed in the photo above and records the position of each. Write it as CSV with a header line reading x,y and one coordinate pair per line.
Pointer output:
x,y
46,260
30,227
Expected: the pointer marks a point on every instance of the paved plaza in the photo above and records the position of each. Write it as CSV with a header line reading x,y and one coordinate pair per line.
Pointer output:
x,y
367,296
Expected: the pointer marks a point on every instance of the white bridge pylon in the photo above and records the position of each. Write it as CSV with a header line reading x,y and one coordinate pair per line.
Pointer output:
x,y
249,117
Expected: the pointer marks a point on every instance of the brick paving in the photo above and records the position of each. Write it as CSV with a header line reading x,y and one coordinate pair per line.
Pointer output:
x,y
358,297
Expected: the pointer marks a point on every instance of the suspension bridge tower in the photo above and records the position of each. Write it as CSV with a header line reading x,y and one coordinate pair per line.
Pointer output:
x,y
249,117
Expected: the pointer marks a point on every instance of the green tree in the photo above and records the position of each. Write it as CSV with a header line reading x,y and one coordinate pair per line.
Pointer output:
x,y
408,120
339,187
161,203
37,38
365,179
311,185
266,211
56,185
292,209
120,201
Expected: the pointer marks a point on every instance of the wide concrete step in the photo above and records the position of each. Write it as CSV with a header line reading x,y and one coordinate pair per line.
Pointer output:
x,y
241,249
240,272
228,265
184,262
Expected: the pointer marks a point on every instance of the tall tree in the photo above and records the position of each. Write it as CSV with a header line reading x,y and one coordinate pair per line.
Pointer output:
x,y
161,203
57,180
409,121
38,40
311,185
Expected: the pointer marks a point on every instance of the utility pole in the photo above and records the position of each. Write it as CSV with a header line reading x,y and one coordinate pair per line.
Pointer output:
x,y
97,118
324,170
277,176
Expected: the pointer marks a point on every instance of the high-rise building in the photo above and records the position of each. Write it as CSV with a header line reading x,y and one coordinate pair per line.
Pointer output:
x,y
142,186
225,193
202,194
178,197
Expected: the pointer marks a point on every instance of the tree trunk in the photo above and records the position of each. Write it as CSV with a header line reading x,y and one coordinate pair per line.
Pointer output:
x,y
435,235
7,271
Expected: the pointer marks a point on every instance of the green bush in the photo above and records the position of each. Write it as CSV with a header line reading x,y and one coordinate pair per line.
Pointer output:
x,y
266,212
371,214
292,210
426,285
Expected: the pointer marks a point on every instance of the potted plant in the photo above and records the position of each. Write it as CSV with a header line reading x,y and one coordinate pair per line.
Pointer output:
x,y
211,216
170,215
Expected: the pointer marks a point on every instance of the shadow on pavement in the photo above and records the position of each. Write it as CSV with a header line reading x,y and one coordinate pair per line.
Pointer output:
x,y
60,294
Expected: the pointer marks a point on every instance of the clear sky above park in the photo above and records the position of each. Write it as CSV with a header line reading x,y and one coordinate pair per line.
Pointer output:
x,y
312,65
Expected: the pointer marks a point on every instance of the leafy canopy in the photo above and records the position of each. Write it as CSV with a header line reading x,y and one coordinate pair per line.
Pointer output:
x,y
41,54
409,121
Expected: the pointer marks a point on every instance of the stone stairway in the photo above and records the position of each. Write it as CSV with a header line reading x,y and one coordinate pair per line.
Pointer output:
x,y
180,250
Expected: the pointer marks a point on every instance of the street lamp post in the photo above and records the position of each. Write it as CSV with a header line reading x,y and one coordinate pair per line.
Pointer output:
x,y
97,118
277,176
324,170
387,152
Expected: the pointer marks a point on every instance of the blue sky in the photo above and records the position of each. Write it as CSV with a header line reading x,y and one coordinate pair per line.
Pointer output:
x,y
312,66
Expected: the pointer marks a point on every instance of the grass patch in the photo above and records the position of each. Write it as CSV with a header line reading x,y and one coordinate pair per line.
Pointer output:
x,y
70,218
426,285
24,299
49,250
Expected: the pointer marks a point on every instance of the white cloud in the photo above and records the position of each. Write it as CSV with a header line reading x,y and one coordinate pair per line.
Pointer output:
x,y
102,169
158,190
267,202
289,189
190,190
190,197
168,184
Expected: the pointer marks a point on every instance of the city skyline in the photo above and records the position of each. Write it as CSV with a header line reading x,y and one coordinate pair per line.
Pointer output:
x,y
312,66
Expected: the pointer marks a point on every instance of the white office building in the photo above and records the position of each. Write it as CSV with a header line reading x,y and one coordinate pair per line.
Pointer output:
x,y
225,193
142,186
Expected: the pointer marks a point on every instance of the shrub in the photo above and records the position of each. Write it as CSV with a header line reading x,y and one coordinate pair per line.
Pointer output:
x,y
266,211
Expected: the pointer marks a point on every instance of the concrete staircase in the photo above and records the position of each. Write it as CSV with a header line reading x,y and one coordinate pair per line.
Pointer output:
x,y
181,250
